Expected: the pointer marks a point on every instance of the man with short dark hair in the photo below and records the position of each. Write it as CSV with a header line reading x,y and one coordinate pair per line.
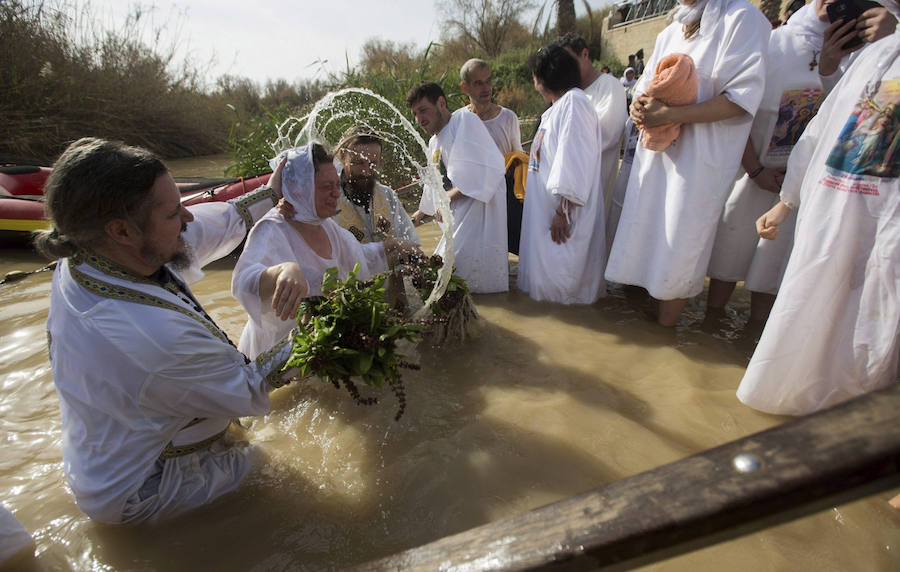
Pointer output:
x,y
608,98
368,209
475,185
147,382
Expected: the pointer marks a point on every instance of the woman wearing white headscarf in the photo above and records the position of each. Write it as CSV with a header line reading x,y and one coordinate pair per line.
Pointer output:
x,y
674,197
792,96
284,260
834,332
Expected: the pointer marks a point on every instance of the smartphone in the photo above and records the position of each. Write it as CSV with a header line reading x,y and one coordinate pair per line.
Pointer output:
x,y
848,10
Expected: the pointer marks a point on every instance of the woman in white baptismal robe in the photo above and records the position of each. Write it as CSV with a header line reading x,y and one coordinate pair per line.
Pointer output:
x,y
834,332
563,244
281,251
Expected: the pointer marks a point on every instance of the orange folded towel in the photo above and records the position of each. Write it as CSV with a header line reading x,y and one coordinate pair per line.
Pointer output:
x,y
674,83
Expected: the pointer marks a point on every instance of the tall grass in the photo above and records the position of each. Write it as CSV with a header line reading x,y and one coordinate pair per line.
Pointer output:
x,y
63,77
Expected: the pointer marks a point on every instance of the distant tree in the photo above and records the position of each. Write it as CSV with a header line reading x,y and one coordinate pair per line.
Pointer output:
x,y
565,16
486,24
566,20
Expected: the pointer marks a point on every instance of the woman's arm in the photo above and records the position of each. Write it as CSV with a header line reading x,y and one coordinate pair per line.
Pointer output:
x,y
649,112
283,286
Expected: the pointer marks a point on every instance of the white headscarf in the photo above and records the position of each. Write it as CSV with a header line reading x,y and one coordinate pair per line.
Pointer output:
x,y
298,182
805,24
687,15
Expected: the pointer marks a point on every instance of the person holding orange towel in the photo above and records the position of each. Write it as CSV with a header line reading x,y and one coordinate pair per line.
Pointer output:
x,y
674,197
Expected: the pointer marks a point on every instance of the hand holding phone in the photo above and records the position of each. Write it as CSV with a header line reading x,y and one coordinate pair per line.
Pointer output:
x,y
846,10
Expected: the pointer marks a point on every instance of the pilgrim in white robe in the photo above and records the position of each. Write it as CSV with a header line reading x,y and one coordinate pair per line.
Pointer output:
x,y
563,165
503,129
148,383
792,96
834,332
474,166
607,95
274,241
675,197
384,218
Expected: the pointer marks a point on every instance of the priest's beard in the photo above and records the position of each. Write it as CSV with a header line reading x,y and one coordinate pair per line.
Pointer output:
x,y
359,190
181,260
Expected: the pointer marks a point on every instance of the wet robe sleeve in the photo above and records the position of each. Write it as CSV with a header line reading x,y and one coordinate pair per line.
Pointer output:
x,y
218,228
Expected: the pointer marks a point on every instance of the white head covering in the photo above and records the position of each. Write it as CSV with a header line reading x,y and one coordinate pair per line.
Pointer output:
x,y
805,24
687,15
298,182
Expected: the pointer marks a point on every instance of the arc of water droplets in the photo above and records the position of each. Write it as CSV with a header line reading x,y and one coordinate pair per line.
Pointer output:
x,y
429,173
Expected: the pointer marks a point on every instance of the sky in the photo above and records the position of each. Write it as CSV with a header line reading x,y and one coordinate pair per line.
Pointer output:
x,y
271,39
280,39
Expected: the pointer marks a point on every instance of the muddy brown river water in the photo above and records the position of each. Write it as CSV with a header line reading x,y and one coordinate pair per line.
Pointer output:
x,y
542,402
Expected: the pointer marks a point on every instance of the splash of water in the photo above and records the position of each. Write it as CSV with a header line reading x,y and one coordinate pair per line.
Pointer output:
x,y
361,107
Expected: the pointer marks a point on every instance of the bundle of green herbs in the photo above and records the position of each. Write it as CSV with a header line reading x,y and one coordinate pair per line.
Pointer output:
x,y
351,332
453,312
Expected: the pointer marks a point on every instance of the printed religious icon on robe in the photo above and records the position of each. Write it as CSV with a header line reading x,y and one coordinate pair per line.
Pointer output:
x,y
868,143
534,160
796,108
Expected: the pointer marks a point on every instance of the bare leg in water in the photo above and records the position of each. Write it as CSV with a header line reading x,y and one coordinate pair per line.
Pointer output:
x,y
670,312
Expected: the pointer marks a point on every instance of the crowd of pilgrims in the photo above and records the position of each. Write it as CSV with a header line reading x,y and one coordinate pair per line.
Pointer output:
x,y
783,177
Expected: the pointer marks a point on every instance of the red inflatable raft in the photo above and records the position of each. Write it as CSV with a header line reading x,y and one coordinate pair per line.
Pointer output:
x,y
22,194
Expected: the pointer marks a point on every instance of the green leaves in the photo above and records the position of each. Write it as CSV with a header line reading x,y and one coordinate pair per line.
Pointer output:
x,y
352,332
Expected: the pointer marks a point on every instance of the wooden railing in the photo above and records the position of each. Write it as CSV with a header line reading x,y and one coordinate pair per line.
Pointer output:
x,y
766,479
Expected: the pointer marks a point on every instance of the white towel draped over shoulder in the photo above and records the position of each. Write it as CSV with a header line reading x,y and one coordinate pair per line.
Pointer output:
x,y
476,167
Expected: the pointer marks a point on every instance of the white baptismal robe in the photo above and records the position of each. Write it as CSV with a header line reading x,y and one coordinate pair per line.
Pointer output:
x,y
674,197
386,217
475,166
792,94
607,95
274,241
136,365
834,332
563,164
504,130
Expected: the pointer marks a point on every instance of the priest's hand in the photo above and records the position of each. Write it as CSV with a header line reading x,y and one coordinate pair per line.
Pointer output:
x,y
560,230
767,224
770,180
404,249
286,209
275,179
